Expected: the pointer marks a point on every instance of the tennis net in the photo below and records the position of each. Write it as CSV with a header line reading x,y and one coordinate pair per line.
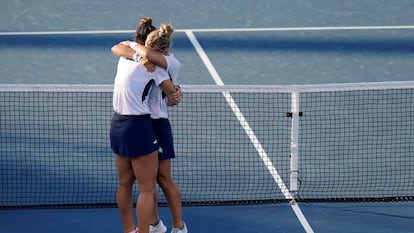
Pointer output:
x,y
234,144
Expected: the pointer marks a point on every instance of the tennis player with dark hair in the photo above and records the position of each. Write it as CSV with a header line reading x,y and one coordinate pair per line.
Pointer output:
x,y
133,139
157,51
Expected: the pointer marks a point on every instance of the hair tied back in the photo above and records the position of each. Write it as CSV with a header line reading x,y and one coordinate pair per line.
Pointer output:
x,y
162,34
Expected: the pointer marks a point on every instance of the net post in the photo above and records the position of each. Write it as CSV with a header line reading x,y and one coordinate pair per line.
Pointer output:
x,y
294,144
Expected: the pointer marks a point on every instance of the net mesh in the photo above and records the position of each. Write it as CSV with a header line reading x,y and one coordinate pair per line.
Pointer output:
x,y
355,144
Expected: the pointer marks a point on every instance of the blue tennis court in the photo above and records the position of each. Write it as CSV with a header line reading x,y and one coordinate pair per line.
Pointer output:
x,y
345,217
244,43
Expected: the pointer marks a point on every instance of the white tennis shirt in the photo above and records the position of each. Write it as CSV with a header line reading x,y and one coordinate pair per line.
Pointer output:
x,y
132,87
158,104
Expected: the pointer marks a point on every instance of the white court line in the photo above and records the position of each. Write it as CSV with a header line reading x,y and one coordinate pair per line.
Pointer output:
x,y
305,28
249,132
401,27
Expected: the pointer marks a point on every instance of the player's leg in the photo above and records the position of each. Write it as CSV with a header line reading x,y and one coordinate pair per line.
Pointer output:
x,y
171,192
157,225
163,130
145,170
126,180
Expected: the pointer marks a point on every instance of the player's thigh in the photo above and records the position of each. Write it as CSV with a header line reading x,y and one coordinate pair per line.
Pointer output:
x,y
125,171
145,170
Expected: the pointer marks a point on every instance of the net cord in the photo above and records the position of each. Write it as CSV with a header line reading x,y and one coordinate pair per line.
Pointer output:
x,y
217,88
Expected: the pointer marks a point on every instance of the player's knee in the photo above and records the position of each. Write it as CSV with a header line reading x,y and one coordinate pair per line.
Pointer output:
x,y
126,181
160,179
164,181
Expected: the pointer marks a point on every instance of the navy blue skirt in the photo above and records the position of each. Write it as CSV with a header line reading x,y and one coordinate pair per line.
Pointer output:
x,y
163,132
132,136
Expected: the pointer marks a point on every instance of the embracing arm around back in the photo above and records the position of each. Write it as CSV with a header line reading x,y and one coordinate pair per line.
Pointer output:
x,y
124,49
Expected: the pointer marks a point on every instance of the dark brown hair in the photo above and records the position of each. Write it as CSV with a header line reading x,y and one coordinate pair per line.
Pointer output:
x,y
143,30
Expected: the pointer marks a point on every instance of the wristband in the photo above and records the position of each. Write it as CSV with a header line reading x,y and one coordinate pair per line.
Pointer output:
x,y
136,57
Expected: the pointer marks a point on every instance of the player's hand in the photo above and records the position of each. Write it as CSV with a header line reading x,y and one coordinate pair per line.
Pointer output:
x,y
178,93
175,98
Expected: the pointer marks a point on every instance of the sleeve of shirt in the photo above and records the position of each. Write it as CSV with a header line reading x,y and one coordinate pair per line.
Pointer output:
x,y
160,75
173,67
